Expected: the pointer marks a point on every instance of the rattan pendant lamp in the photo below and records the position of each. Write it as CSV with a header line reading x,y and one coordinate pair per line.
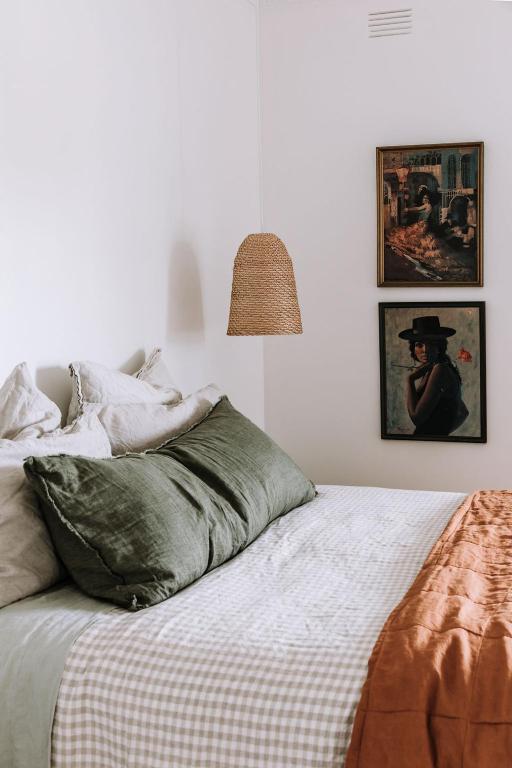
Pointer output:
x,y
263,296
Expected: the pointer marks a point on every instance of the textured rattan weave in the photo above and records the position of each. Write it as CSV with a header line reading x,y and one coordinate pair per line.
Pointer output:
x,y
263,296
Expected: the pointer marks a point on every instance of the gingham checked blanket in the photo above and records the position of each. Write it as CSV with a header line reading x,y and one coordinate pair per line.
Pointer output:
x,y
261,662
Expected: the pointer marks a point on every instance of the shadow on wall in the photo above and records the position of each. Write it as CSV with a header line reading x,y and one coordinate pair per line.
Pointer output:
x,y
134,362
185,323
185,316
55,382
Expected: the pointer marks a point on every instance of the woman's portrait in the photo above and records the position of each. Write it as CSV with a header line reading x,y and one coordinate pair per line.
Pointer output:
x,y
433,371
430,215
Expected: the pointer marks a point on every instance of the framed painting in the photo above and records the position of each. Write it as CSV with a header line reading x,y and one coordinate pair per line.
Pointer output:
x,y
430,215
432,371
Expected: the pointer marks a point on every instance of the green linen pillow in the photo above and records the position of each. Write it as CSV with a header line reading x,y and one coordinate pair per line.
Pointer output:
x,y
137,528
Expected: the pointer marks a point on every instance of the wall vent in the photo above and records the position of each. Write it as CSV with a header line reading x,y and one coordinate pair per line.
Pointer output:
x,y
390,23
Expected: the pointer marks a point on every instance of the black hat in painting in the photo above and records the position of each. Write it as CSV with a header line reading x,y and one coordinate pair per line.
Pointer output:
x,y
427,327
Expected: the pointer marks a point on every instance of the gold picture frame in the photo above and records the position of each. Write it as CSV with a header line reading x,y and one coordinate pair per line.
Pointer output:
x,y
430,215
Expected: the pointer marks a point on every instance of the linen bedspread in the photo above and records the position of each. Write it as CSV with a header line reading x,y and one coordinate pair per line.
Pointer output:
x,y
439,686
261,662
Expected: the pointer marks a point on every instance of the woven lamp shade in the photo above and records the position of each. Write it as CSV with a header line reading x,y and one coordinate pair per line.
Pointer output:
x,y
263,296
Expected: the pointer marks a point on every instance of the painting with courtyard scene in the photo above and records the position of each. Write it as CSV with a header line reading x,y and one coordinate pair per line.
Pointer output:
x,y
430,215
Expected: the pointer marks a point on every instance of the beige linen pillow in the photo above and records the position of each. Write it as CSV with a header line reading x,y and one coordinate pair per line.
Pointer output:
x,y
28,562
136,427
95,383
24,410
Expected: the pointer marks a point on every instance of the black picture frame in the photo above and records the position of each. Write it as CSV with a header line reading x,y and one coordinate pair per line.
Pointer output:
x,y
471,364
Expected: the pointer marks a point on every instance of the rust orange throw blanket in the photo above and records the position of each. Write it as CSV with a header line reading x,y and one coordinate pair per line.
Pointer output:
x,y
439,685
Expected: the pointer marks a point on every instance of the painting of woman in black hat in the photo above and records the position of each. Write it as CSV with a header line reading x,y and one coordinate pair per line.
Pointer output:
x,y
433,371
434,399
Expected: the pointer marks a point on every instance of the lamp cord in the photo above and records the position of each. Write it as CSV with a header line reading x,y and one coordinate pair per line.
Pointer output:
x,y
259,109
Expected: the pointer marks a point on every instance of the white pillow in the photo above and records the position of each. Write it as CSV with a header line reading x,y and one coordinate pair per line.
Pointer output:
x,y
135,428
23,407
28,562
94,383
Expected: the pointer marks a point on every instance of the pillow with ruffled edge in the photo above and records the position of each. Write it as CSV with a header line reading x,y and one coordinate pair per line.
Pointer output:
x,y
24,410
95,383
28,563
137,427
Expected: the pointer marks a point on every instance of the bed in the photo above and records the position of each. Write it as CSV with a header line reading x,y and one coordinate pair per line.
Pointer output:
x,y
259,663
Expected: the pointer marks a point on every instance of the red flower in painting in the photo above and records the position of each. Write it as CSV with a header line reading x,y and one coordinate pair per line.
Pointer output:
x,y
464,356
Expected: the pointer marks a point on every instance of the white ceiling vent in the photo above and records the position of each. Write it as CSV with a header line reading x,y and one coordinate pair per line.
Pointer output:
x,y
390,23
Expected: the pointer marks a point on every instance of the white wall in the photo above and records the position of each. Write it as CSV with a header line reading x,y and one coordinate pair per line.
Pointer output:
x,y
128,177
330,96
